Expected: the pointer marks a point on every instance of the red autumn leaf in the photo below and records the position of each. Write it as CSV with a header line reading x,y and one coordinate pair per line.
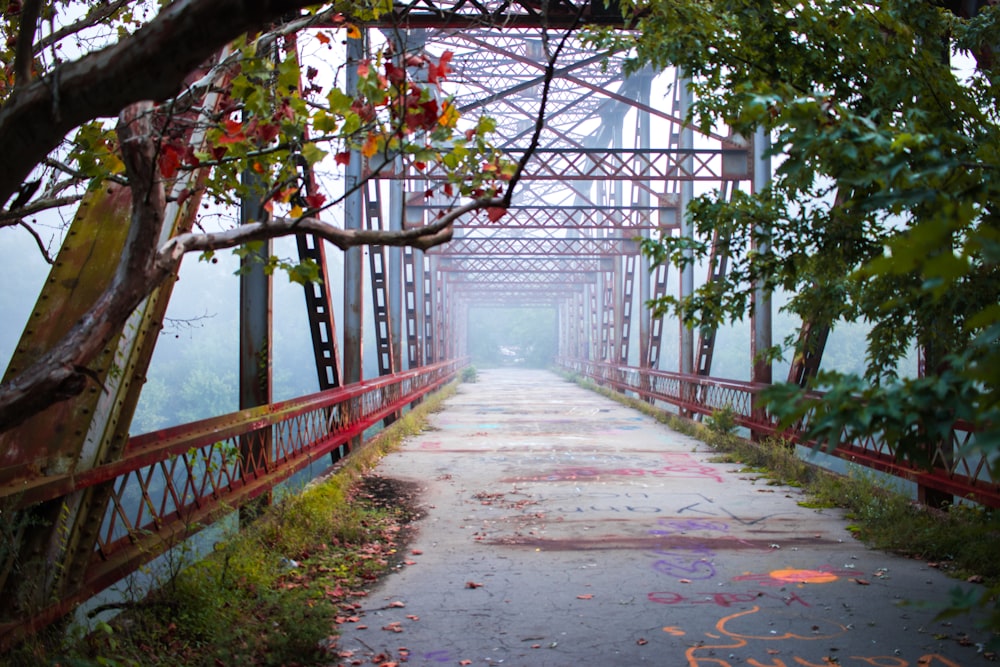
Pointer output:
x,y
267,132
420,166
168,161
441,70
449,190
586,596
323,38
494,213
473,584
342,158
315,200
219,152
284,111
397,603
233,132
190,159
396,75
364,67
641,642
428,193
311,72
416,552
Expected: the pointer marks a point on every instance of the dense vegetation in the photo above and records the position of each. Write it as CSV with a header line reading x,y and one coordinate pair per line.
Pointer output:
x,y
883,206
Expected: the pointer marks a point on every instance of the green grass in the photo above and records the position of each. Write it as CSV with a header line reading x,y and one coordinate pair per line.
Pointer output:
x,y
270,594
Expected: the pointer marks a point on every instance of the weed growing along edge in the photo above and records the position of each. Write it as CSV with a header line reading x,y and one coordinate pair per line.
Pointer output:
x,y
273,593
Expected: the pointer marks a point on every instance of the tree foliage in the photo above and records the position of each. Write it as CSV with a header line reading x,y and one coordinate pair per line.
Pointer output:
x,y
213,102
883,206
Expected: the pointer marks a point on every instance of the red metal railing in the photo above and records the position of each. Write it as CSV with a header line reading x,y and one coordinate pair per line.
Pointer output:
x,y
967,476
170,484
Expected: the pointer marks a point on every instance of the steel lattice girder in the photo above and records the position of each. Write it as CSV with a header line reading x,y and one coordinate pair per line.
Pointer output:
x,y
558,217
665,164
520,265
509,278
520,247
506,15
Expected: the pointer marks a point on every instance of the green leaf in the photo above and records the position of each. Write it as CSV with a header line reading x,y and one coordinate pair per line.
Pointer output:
x,y
313,153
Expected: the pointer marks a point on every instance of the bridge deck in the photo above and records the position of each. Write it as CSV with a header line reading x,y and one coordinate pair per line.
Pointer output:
x,y
565,529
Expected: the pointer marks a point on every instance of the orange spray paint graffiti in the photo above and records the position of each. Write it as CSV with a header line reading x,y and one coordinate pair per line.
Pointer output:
x,y
703,655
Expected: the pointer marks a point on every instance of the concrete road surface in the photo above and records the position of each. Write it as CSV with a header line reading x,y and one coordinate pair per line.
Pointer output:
x,y
564,529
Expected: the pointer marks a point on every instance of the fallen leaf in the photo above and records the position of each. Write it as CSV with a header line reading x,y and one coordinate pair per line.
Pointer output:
x,y
975,579
683,581
472,584
862,582
397,603
536,646
413,617
641,642
587,596
465,662
416,552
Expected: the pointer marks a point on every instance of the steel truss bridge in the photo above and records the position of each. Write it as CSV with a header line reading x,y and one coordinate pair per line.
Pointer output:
x,y
615,164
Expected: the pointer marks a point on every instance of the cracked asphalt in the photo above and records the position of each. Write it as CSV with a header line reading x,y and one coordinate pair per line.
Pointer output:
x,y
563,529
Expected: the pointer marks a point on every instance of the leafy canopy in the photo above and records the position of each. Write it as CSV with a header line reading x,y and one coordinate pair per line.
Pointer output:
x,y
883,206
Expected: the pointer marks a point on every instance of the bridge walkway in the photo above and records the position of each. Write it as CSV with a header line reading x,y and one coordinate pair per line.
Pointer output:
x,y
564,529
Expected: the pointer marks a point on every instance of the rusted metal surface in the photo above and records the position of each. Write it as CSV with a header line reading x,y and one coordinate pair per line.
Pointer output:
x,y
169,484
967,477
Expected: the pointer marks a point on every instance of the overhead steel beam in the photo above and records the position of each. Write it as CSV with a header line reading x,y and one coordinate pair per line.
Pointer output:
x,y
660,164
491,264
632,218
520,247
520,278
462,14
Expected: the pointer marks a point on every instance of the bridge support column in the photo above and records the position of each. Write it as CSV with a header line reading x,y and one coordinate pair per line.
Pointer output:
x,y
354,257
255,344
760,339
686,360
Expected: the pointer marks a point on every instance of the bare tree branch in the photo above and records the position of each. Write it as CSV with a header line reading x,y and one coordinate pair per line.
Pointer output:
x,y
149,66
10,218
95,16
42,248
24,54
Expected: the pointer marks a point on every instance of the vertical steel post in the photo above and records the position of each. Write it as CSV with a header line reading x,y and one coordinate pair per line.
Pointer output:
x,y
353,215
255,340
686,364
760,339
394,278
643,139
